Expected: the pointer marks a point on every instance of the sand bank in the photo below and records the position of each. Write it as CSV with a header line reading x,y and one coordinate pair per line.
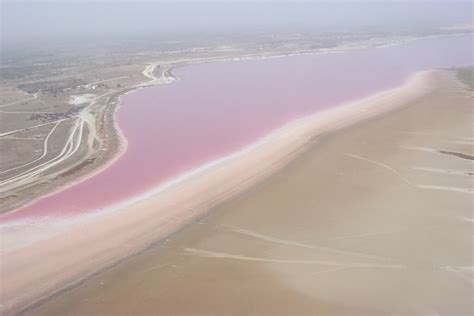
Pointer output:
x,y
85,249
364,222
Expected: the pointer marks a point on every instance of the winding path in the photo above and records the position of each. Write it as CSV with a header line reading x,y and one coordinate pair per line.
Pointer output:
x,y
85,119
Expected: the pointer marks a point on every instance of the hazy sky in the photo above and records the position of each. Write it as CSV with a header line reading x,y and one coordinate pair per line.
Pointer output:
x,y
37,20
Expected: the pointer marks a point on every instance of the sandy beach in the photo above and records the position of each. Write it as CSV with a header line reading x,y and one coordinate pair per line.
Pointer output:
x,y
75,255
371,214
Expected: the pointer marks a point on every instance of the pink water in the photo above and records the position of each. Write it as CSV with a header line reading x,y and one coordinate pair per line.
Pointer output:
x,y
217,108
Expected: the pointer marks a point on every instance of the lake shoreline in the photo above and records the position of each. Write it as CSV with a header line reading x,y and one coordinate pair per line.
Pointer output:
x,y
165,211
117,141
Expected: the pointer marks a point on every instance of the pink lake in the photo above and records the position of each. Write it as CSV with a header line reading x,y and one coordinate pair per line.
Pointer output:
x,y
217,108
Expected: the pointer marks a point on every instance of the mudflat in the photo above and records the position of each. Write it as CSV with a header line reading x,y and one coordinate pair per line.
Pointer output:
x,y
94,244
372,219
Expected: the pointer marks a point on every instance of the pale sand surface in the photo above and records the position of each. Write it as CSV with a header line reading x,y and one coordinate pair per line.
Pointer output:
x,y
368,221
27,276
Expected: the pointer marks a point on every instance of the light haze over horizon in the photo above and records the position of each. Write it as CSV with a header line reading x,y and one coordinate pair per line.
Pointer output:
x,y
37,21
